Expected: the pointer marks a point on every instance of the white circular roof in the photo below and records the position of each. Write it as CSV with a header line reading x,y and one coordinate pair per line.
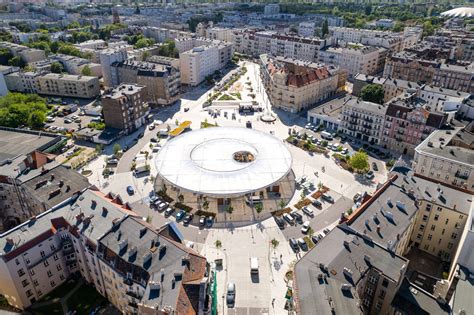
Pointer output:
x,y
460,12
223,161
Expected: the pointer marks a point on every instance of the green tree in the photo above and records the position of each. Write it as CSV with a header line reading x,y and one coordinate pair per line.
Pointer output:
x,y
259,207
86,70
143,42
73,25
145,55
117,148
36,119
5,56
325,28
359,161
218,244
398,27
205,205
372,93
368,9
180,198
17,62
57,67
275,243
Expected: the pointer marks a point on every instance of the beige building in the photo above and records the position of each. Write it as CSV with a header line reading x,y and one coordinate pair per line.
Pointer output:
x,y
293,85
447,156
125,107
91,235
196,64
25,53
220,33
25,82
68,85
355,58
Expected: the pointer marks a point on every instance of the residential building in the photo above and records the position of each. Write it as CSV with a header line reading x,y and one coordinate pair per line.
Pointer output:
x,y
25,38
219,33
68,85
160,35
392,87
76,65
31,181
407,124
94,44
455,77
271,9
4,70
202,61
99,238
306,29
167,61
273,43
385,23
21,81
293,85
355,58
125,107
163,82
363,120
25,53
107,58
447,155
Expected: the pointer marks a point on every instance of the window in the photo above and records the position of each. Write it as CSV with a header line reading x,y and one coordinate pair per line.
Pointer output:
x,y
58,267
53,248
17,261
447,220
24,283
428,207
28,293
40,293
21,272
61,277
429,237
46,263
382,294
450,245
378,306
385,283
439,209
442,232
419,236
50,274
369,291
454,235
32,272
436,217
53,284
42,254
426,247
422,227
366,302
372,279
433,227
425,218
35,283
27,260
55,256
460,217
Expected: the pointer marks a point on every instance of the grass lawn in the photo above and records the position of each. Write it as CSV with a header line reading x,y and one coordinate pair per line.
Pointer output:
x,y
85,299
60,291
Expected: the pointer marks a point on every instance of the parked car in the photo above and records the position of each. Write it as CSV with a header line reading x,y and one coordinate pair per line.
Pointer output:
x,y
112,161
317,203
162,205
202,220
209,221
151,127
293,244
326,231
315,239
344,151
302,244
370,175
130,190
308,126
125,148
374,166
308,211
298,217
188,218
180,215
154,199
327,198
169,211
280,222
357,197
289,218
305,227
153,139
254,265
230,294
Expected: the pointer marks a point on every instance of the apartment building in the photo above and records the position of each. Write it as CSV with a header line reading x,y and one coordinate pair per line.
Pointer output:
x,y
163,82
270,42
25,38
407,124
31,181
76,65
447,155
220,33
202,61
160,35
407,66
363,120
94,235
392,87
355,58
4,70
68,85
107,58
125,107
94,44
24,82
25,53
293,85
306,29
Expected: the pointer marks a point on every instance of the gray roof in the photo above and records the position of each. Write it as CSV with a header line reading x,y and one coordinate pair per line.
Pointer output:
x,y
439,143
411,299
313,294
463,296
100,223
367,106
15,142
332,108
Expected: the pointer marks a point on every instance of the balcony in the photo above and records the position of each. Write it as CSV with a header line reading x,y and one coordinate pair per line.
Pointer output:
x,y
368,119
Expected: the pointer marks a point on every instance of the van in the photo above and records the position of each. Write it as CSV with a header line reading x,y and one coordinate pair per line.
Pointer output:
x,y
253,265
326,136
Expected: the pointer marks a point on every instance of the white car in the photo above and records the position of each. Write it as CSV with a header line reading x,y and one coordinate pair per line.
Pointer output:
x,y
308,126
308,211
305,227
